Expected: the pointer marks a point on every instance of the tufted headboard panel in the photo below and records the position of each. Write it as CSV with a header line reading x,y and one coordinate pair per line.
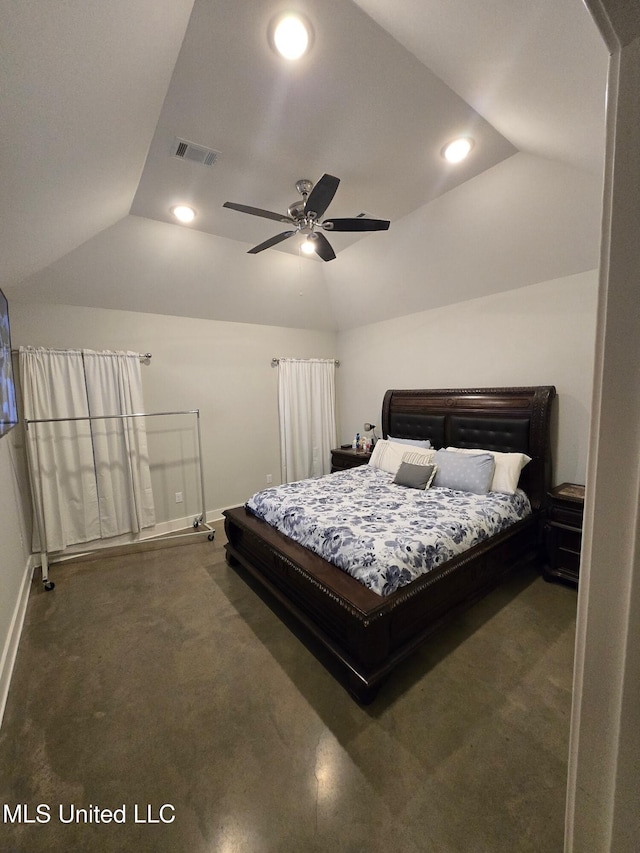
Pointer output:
x,y
505,434
413,425
502,419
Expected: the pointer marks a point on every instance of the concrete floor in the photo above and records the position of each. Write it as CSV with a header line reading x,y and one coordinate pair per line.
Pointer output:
x,y
156,676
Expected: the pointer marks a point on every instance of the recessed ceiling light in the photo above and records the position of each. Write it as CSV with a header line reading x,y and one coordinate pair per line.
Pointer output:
x,y
457,150
290,34
183,212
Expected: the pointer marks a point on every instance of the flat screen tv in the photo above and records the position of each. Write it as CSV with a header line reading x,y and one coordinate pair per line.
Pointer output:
x,y
8,407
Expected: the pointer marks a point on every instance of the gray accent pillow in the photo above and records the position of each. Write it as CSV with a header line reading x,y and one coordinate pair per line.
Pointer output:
x,y
464,472
415,476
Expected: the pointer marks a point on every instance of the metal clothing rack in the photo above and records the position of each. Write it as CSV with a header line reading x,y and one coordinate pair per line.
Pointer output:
x,y
198,521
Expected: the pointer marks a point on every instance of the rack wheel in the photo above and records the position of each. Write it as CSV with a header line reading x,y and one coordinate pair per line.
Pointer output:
x,y
196,524
211,537
48,585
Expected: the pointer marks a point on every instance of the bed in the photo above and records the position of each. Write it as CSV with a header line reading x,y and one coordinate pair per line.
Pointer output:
x,y
360,634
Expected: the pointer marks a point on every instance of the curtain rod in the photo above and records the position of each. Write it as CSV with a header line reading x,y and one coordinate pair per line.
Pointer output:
x,y
141,355
276,361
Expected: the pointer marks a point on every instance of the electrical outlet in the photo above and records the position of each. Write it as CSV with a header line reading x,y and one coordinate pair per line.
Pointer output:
x,y
269,478
178,497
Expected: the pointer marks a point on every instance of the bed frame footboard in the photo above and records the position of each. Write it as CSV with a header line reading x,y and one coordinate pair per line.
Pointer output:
x,y
366,635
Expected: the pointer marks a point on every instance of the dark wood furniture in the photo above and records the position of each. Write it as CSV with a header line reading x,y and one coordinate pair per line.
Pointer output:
x,y
345,457
563,532
366,635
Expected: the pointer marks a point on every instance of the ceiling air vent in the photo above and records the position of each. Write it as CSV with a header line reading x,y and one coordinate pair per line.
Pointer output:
x,y
184,150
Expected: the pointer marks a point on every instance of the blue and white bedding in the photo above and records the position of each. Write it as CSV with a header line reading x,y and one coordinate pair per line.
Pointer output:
x,y
382,534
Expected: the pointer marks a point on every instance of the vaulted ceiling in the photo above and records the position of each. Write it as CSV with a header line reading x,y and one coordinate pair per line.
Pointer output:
x,y
94,96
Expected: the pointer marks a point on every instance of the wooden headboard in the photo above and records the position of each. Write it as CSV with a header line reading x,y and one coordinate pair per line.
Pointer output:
x,y
502,419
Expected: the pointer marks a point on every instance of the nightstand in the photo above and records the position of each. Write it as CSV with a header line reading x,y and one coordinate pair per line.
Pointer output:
x,y
563,532
344,457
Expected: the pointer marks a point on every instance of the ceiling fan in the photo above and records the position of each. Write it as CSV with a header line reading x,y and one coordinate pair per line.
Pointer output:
x,y
305,216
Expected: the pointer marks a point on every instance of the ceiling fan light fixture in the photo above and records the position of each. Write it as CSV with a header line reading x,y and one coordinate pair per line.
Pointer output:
x,y
305,217
183,213
456,150
290,35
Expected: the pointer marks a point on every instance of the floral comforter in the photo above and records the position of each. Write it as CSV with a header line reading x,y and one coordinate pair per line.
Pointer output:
x,y
383,534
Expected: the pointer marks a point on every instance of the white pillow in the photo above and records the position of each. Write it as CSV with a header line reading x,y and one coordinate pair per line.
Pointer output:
x,y
508,468
387,456
415,442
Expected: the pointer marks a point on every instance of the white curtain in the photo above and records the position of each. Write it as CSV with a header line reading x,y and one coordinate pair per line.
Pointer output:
x,y
90,479
63,482
114,386
307,406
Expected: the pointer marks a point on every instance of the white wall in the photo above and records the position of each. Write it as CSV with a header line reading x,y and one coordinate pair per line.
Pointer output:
x,y
223,369
603,802
542,334
537,335
14,557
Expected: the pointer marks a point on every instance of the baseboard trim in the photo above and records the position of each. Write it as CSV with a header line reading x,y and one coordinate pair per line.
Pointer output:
x,y
10,651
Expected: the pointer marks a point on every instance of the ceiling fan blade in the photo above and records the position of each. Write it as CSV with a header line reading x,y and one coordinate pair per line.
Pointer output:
x,y
257,211
272,241
323,247
356,223
321,195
